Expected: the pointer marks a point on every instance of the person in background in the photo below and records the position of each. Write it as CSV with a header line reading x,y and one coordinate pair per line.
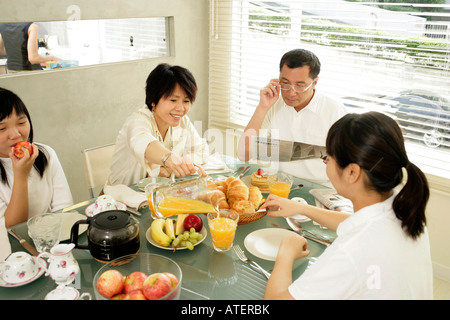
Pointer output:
x,y
160,136
19,42
32,185
292,107
382,250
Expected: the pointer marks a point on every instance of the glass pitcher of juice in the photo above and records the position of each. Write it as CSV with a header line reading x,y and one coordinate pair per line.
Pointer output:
x,y
188,196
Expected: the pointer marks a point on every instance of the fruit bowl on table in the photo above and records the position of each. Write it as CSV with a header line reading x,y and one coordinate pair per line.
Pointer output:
x,y
150,264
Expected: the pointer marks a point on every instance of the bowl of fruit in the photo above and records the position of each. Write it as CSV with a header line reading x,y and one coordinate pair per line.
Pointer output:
x,y
143,276
184,232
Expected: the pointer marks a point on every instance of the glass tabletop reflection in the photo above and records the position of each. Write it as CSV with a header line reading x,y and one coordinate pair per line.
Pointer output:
x,y
207,274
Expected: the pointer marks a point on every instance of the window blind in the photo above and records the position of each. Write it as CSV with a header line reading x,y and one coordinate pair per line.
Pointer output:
x,y
392,57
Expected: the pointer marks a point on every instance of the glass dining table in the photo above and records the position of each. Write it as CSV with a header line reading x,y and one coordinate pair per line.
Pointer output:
x,y
207,274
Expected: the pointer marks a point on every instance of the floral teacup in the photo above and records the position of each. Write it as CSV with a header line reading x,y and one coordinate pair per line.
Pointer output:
x,y
19,267
104,203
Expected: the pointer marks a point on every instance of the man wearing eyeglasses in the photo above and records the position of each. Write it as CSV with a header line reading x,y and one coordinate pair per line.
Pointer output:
x,y
300,113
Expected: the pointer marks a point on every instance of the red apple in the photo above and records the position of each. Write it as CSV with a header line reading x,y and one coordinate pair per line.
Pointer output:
x,y
135,295
193,221
110,283
18,152
119,296
134,281
156,285
174,281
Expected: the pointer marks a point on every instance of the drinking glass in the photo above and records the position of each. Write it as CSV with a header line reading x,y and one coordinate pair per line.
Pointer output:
x,y
280,184
222,226
45,229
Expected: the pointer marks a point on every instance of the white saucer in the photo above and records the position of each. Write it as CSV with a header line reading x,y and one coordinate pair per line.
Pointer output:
x,y
41,270
90,209
148,235
264,243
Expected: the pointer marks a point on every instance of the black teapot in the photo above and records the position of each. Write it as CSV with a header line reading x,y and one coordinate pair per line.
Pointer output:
x,y
111,234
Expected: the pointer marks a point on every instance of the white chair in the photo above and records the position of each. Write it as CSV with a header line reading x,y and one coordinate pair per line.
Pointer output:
x,y
97,162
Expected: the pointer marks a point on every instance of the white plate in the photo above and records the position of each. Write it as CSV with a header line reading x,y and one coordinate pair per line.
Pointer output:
x,y
90,209
148,235
264,243
41,270
68,219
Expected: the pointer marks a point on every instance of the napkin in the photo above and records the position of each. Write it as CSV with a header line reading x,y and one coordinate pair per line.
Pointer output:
x,y
122,193
215,164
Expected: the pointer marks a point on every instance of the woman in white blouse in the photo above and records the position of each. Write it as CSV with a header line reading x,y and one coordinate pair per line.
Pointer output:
x,y
31,185
382,250
160,135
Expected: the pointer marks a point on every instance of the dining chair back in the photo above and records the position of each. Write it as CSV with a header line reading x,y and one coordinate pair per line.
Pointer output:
x,y
97,161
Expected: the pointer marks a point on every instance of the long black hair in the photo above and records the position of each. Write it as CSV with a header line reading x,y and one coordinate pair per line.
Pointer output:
x,y
10,102
375,142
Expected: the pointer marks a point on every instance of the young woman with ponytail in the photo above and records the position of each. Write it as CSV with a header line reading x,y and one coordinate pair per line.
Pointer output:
x,y
382,249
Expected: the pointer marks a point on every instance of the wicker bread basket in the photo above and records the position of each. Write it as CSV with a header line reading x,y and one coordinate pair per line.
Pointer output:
x,y
250,217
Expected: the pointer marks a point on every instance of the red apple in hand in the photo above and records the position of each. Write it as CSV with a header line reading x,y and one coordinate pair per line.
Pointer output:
x,y
134,281
18,152
110,283
193,221
156,285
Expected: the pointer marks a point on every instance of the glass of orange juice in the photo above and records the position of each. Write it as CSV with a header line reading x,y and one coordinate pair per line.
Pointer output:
x,y
222,226
280,184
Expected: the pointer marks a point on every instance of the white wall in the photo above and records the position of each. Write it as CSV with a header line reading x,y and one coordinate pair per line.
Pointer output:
x,y
74,109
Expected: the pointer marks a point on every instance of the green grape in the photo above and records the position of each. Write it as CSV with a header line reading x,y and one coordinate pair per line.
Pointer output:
x,y
189,245
176,242
199,236
183,243
193,235
186,235
193,241
192,230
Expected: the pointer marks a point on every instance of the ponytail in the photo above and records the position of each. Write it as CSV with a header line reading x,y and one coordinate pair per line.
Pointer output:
x,y
409,205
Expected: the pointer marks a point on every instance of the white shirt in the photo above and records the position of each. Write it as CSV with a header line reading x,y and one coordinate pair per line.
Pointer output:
x,y
47,194
309,125
129,164
372,258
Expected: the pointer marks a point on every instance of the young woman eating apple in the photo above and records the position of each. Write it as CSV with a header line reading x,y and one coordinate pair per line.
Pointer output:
x,y
32,180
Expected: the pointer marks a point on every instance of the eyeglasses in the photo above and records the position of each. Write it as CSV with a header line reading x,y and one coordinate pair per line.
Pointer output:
x,y
297,88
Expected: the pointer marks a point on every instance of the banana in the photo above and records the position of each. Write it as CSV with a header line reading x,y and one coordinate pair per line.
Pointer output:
x,y
158,233
179,228
169,228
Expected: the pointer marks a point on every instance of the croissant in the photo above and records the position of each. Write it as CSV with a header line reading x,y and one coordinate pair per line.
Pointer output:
x,y
243,206
211,185
222,186
237,190
255,197
217,198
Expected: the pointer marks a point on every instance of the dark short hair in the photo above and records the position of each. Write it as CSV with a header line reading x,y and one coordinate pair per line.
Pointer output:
x,y
298,58
162,80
